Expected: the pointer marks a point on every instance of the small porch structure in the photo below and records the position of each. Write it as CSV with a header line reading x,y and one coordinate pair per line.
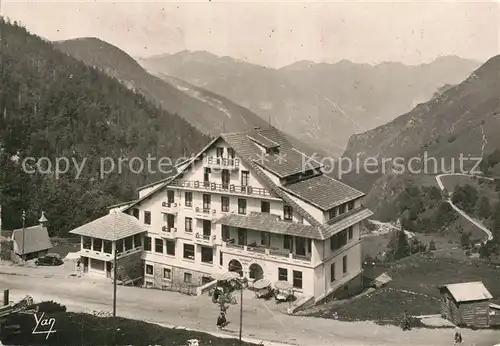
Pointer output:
x,y
100,239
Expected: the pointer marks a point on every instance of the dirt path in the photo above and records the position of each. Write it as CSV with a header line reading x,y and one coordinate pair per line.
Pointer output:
x,y
460,211
260,321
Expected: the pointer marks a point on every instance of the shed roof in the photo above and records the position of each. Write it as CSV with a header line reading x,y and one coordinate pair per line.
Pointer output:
x,y
36,238
468,291
114,226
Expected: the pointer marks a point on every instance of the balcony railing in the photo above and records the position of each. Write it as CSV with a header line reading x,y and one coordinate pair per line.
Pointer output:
x,y
170,207
205,239
205,213
222,162
169,232
228,188
278,254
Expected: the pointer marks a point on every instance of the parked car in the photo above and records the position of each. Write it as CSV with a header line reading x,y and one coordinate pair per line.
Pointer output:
x,y
49,260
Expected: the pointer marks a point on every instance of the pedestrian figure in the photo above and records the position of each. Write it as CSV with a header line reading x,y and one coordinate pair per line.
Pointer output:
x,y
458,336
221,320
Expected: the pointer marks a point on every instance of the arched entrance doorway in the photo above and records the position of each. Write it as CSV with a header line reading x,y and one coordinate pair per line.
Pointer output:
x,y
235,266
256,272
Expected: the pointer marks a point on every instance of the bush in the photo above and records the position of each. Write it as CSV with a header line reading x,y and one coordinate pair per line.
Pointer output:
x,y
48,307
432,245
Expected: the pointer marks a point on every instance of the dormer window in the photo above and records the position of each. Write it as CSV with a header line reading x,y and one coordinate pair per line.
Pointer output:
x,y
287,213
273,151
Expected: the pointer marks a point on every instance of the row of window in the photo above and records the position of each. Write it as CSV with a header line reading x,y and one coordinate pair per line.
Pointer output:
x,y
341,209
207,253
225,202
168,275
340,239
332,269
106,246
296,277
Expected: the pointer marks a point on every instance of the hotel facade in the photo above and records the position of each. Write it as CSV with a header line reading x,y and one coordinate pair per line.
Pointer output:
x,y
248,202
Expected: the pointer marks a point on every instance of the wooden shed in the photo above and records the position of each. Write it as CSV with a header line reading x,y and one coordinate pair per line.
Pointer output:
x,y
466,304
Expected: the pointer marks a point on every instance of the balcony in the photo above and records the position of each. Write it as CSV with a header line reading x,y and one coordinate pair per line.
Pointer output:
x,y
222,163
225,188
280,255
205,213
169,232
169,208
204,239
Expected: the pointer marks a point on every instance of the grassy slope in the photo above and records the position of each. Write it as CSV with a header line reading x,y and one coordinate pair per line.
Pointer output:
x,y
414,288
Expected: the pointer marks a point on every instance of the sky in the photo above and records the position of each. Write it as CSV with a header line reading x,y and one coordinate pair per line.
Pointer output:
x,y
276,33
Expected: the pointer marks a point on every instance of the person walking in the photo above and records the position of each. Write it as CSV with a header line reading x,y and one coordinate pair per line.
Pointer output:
x,y
221,320
457,339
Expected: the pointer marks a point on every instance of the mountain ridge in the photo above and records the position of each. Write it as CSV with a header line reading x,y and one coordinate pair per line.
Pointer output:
x,y
322,104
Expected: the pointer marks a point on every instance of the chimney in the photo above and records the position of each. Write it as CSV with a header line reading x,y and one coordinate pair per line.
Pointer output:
x,y
43,220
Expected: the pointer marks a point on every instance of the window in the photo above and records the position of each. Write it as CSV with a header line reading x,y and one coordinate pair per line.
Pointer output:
x,y
297,279
287,213
242,206
351,232
225,178
206,177
245,178
147,243
188,225
344,264
158,245
170,197
332,213
341,209
108,247
149,269
129,243
338,240
119,246
137,240
230,153
265,239
288,242
350,205
207,254
332,272
189,251
188,277
170,220
167,273
147,217
170,245
135,213
188,199
97,246
87,243
224,202
206,202
282,274
207,229
220,152
265,207
225,232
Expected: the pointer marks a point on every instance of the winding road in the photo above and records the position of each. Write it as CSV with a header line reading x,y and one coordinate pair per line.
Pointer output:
x,y
460,211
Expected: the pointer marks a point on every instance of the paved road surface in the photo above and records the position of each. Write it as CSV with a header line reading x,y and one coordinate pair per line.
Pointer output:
x,y
261,320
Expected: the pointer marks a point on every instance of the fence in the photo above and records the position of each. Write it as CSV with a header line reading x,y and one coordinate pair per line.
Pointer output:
x,y
187,289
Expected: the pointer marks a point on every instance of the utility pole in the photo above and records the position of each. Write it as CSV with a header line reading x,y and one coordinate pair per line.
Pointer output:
x,y
114,283
241,312
24,231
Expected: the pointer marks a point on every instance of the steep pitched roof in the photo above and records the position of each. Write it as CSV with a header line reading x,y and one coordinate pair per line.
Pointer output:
x,y
36,238
114,226
264,222
468,291
323,191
